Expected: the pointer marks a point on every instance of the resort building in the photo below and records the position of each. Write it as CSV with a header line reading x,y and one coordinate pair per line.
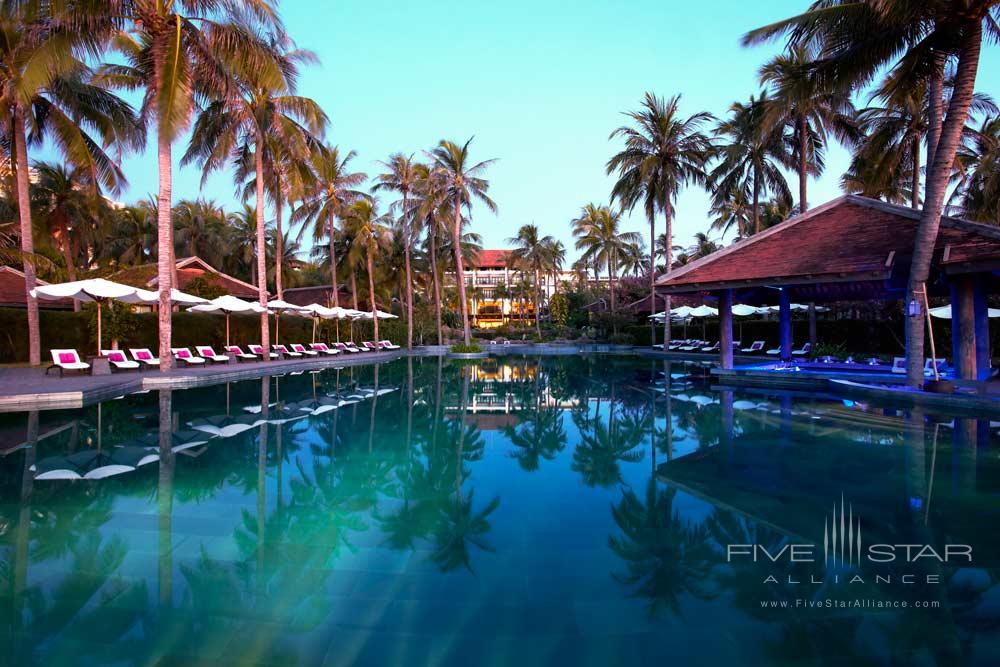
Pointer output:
x,y
189,270
498,293
12,294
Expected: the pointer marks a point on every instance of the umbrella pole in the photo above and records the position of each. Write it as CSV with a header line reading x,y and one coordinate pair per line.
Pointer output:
x,y
277,327
227,328
98,327
315,322
337,327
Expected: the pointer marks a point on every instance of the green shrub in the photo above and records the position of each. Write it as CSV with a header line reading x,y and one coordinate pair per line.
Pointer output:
x,y
559,308
462,348
621,339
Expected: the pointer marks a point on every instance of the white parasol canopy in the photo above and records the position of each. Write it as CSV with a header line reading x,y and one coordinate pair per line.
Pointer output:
x,y
277,306
97,290
944,312
177,297
227,305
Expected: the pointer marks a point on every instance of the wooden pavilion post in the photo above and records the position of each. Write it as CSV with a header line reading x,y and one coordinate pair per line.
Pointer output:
x,y
984,361
963,318
726,329
785,324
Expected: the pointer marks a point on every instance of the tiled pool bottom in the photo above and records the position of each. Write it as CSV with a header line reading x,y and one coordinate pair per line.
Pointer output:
x,y
513,511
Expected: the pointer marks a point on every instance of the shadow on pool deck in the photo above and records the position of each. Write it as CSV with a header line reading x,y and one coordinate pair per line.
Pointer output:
x,y
31,388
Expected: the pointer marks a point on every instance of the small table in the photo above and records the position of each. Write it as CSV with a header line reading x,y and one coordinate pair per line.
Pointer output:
x,y
99,366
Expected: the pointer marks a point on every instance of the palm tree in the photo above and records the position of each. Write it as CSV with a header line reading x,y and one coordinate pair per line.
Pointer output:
x,y
662,154
402,177
333,191
176,53
536,253
808,108
132,237
371,232
856,42
751,155
242,231
259,103
463,183
432,211
42,85
199,227
598,235
978,160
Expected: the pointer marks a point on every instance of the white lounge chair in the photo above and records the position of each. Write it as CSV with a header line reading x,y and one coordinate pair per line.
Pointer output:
x,y
237,352
259,351
323,348
206,352
369,346
144,356
388,345
929,366
118,359
344,347
67,360
713,348
184,354
285,351
757,346
803,351
899,365
301,349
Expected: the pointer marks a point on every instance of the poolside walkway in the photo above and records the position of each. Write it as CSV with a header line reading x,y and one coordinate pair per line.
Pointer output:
x,y
31,389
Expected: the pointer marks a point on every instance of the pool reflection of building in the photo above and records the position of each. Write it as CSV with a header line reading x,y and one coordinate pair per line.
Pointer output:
x,y
498,391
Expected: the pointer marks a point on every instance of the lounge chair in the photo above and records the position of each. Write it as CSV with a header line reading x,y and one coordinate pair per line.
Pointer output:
x,y
285,351
144,356
369,346
258,351
803,351
388,345
929,366
774,351
184,354
692,345
237,352
323,349
206,352
757,346
713,348
343,347
67,360
899,365
118,359
301,349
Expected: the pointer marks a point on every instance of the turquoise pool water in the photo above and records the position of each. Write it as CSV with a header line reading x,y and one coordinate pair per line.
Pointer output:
x,y
599,510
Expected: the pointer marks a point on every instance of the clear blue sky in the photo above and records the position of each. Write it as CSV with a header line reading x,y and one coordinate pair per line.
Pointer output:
x,y
539,83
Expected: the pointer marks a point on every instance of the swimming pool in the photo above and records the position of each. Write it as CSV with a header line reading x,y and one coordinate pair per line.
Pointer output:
x,y
557,510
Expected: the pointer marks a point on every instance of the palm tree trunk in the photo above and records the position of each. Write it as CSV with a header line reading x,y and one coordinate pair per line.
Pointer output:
x,y
67,252
435,276
652,279
936,184
803,163
27,237
333,261
371,293
915,182
354,287
538,305
756,203
456,234
278,240
669,250
165,264
936,115
409,274
265,333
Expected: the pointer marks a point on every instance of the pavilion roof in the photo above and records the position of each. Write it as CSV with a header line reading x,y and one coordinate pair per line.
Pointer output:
x,y
851,245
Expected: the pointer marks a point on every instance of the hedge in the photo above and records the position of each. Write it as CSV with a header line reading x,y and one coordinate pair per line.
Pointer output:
x,y
66,329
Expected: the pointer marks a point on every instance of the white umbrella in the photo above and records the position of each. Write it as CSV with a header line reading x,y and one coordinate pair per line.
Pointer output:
x,y
277,306
318,312
97,290
227,305
382,315
944,312
743,310
177,297
704,311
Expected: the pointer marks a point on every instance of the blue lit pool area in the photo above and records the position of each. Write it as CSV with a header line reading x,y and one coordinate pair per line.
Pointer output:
x,y
590,509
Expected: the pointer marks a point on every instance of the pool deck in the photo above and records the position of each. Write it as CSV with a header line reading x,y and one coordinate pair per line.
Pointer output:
x,y
30,389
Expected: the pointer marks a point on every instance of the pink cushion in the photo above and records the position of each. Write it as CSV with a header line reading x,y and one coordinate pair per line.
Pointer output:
x,y
183,354
143,355
67,358
116,356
